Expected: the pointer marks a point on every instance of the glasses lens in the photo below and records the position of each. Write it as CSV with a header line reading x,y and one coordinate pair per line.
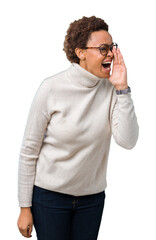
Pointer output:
x,y
114,44
104,49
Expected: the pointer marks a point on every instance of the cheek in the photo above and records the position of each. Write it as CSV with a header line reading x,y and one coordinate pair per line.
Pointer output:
x,y
94,60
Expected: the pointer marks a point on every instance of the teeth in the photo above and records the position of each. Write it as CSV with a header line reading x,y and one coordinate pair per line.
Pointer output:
x,y
106,62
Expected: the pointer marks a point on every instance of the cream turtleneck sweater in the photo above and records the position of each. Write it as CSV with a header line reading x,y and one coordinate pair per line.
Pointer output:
x,y
67,137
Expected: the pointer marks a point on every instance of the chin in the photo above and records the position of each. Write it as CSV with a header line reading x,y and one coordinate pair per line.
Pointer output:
x,y
105,75
102,74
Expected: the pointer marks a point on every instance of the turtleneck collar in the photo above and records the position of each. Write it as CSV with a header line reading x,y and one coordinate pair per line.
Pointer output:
x,y
82,76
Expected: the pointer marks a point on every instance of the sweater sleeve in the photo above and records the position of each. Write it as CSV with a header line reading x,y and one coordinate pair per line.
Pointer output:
x,y
124,123
37,121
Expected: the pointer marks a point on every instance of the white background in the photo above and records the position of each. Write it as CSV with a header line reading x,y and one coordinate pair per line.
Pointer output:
x,y
31,42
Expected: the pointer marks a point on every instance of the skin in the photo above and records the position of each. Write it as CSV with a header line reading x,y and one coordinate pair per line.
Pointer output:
x,y
91,60
25,222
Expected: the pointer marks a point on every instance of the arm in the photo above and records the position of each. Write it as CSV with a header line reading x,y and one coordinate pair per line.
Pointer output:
x,y
123,119
37,121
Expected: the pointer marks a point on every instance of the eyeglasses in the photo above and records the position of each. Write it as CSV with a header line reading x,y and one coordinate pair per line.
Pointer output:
x,y
104,48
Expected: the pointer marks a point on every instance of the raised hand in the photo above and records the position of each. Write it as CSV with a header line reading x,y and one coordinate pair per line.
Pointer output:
x,y
119,71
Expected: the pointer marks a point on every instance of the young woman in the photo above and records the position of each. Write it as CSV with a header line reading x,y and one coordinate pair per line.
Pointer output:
x,y
64,154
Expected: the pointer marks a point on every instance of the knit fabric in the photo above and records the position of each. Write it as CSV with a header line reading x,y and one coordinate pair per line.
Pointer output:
x,y
67,137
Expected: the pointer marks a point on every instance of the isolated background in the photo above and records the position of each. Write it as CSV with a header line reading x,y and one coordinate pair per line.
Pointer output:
x,y
31,42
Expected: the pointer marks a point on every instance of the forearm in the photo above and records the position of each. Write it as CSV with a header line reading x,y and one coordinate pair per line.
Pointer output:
x,y
26,177
124,123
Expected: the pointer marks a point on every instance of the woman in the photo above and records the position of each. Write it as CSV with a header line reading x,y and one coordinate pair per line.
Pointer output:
x,y
64,154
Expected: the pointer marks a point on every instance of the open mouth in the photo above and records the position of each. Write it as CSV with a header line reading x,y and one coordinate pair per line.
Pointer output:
x,y
106,65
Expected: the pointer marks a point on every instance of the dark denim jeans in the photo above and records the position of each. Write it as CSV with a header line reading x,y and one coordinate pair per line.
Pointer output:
x,y
59,216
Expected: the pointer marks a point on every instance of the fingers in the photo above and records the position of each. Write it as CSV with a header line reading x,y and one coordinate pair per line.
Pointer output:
x,y
118,58
26,232
115,60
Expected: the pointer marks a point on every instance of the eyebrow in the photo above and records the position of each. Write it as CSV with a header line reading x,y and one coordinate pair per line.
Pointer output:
x,y
105,44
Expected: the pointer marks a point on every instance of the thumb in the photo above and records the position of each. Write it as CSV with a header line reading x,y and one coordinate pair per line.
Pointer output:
x,y
29,230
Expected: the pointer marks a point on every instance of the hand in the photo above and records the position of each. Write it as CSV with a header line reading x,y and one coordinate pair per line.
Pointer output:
x,y
119,71
25,222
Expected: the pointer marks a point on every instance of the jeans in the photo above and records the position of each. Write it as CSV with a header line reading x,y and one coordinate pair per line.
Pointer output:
x,y
59,216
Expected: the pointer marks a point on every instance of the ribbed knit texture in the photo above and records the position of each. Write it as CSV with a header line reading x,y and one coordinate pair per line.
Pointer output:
x,y
67,137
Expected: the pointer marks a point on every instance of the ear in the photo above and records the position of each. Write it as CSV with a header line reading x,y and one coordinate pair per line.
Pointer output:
x,y
80,53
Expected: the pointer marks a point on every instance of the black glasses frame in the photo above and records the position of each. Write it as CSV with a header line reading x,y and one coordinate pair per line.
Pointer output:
x,y
106,46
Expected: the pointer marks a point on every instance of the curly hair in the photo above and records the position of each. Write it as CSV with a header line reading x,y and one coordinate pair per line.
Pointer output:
x,y
79,33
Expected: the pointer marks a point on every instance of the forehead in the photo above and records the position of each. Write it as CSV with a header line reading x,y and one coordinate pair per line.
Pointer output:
x,y
100,37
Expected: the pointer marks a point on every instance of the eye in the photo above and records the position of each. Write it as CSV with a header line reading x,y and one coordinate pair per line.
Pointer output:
x,y
104,48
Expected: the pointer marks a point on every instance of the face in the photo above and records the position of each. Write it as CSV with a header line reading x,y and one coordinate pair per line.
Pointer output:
x,y
92,59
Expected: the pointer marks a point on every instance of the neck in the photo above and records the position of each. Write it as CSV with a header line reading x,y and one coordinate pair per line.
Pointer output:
x,y
83,64
81,75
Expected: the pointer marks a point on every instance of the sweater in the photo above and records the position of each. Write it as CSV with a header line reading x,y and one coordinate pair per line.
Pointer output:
x,y
67,137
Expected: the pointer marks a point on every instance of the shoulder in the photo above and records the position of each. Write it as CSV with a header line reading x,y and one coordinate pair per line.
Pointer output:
x,y
55,80
52,83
